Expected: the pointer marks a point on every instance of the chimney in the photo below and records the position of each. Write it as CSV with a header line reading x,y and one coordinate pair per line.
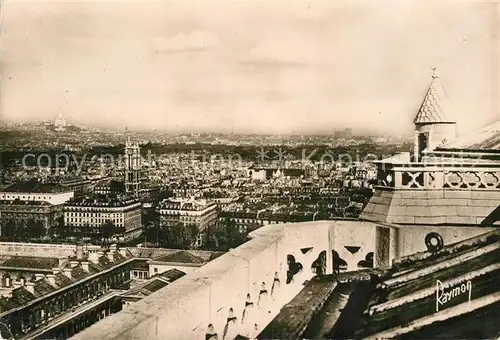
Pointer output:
x,y
123,252
67,272
30,287
16,284
74,264
56,271
93,257
85,266
113,247
39,277
79,252
100,254
111,256
52,279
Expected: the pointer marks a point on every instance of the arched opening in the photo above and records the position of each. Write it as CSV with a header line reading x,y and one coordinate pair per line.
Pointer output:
x,y
294,268
367,262
339,264
319,265
422,143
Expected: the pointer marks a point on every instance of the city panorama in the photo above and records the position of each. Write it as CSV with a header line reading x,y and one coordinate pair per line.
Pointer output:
x,y
249,170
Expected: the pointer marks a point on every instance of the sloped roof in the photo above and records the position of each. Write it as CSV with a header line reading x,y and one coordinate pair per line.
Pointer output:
x,y
30,262
146,289
154,285
22,296
34,186
181,256
486,138
408,299
157,282
172,274
434,105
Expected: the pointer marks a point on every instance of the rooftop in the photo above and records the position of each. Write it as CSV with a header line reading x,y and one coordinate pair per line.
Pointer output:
x,y
186,204
101,201
21,297
29,262
434,105
181,256
155,283
486,138
34,187
169,255
18,202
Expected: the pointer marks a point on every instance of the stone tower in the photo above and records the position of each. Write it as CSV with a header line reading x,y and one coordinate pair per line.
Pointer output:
x,y
132,168
432,127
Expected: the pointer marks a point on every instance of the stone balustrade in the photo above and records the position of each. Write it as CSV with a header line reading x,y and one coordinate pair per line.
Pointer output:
x,y
424,176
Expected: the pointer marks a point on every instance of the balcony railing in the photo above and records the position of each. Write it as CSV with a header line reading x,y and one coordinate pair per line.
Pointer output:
x,y
424,176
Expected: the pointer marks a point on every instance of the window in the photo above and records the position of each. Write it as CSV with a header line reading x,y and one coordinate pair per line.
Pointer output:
x,y
156,270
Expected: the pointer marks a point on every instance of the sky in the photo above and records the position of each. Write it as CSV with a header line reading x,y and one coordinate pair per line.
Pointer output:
x,y
247,66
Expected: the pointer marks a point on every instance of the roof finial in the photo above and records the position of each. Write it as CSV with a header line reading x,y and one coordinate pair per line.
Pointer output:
x,y
434,76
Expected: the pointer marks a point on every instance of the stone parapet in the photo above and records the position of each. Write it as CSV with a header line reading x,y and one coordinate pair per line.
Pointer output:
x,y
435,207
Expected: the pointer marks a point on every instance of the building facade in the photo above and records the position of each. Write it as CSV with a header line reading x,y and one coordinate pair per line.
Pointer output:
x,y
109,187
83,216
199,212
29,209
36,191
41,213
79,186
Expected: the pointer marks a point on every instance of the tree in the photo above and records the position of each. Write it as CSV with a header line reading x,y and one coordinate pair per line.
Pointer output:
x,y
152,231
34,228
108,229
19,230
56,227
224,236
180,236
211,242
8,227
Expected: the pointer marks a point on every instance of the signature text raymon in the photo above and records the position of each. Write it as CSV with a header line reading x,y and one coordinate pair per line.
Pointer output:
x,y
445,294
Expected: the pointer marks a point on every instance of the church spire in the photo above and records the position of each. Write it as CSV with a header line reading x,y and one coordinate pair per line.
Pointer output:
x,y
434,105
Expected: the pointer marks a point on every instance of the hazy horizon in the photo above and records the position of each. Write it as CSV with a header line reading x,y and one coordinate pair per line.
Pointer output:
x,y
247,67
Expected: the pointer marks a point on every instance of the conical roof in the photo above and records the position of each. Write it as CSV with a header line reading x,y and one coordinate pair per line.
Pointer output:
x,y
434,105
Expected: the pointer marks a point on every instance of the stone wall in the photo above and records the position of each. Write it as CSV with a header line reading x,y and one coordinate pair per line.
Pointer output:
x,y
37,249
412,239
354,234
383,247
185,308
416,206
43,249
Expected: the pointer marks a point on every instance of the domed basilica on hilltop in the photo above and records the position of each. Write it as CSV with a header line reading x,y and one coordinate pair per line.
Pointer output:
x,y
60,123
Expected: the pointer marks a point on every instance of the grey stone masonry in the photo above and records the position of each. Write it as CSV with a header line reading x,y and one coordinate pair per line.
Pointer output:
x,y
434,207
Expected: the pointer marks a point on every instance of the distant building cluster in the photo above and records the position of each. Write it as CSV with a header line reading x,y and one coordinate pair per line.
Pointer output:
x,y
180,192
